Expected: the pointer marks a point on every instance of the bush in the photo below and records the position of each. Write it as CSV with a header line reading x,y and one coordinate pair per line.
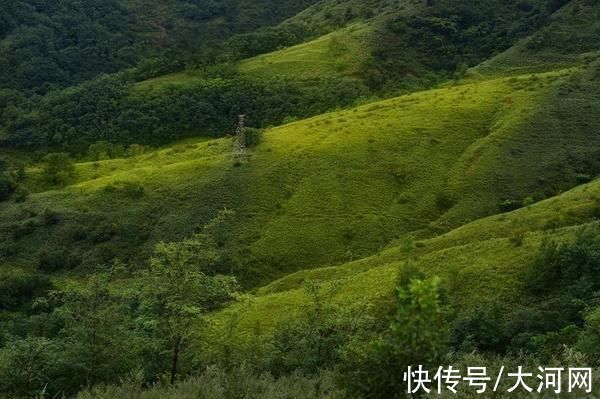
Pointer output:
x,y
102,150
528,201
50,217
417,335
58,168
216,383
509,205
51,260
6,188
17,287
21,230
517,237
444,200
253,137
21,194
27,366
582,178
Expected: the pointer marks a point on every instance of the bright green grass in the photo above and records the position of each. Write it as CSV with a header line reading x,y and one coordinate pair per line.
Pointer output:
x,y
337,54
172,79
478,263
333,188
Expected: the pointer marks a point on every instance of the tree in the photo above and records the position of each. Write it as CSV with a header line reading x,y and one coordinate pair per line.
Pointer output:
x,y
99,345
27,366
178,292
58,168
417,335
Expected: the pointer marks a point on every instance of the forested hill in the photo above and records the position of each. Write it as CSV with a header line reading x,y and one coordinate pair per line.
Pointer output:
x,y
418,183
52,53
46,44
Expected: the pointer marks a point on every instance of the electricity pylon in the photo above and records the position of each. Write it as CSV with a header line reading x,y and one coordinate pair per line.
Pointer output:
x,y
239,144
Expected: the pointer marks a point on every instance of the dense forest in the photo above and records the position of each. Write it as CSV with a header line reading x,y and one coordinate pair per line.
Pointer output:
x,y
415,185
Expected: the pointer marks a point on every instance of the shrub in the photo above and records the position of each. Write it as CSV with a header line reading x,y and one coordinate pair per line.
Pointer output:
x,y
510,205
51,260
103,232
253,137
417,335
101,150
17,287
27,366
58,168
444,200
21,194
582,178
49,217
21,230
517,237
6,189
528,201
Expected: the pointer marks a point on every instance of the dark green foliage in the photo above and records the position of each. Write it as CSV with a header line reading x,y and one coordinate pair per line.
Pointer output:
x,y
58,168
568,267
317,340
55,259
88,118
253,137
9,180
49,217
47,44
417,335
6,189
21,194
177,294
27,366
101,150
560,288
482,329
99,340
583,178
449,36
510,205
18,288
444,200
20,230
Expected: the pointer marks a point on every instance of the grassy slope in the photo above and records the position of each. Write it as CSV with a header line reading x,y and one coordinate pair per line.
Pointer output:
x,y
339,53
335,54
478,262
353,184
332,188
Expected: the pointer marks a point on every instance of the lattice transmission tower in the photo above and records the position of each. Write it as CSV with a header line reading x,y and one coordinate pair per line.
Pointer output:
x,y
239,143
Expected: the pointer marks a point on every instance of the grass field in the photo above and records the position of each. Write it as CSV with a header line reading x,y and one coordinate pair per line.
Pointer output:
x,y
330,189
337,54
479,263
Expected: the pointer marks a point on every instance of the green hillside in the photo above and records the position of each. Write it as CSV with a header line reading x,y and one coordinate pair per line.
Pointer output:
x,y
420,186
338,53
569,38
479,262
486,143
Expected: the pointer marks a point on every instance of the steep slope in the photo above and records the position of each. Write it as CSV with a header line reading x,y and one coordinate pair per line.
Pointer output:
x,y
570,36
328,189
480,263
45,44
338,53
